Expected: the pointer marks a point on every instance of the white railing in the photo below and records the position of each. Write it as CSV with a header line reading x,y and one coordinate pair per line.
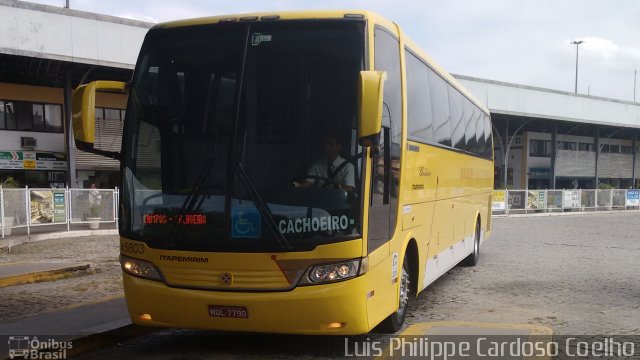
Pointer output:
x,y
34,207
537,201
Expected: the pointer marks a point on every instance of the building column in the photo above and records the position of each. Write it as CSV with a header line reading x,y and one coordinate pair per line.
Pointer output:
x,y
500,142
597,146
552,168
71,156
524,160
505,153
634,150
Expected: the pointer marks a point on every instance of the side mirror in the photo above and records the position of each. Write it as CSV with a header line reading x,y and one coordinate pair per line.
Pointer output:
x,y
84,113
370,96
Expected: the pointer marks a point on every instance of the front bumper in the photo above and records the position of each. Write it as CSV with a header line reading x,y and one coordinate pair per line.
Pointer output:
x,y
303,310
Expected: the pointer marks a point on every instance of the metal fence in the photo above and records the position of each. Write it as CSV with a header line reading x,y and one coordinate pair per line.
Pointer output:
x,y
540,201
33,207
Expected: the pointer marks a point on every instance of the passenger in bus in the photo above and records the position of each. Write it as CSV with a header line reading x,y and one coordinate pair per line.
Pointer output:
x,y
332,166
379,169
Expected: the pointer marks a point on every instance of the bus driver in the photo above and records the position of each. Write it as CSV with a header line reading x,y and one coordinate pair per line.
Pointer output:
x,y
333,167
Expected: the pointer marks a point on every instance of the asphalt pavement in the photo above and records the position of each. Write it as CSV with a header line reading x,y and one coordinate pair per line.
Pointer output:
x,y
574,274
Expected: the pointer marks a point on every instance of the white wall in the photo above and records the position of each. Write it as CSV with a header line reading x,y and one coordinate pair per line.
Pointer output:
x,y
582,163
522,100
52,142
615,166
577,163
54,33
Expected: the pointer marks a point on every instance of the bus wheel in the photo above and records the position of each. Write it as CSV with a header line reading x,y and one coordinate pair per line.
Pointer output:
x,y
395,321
472,259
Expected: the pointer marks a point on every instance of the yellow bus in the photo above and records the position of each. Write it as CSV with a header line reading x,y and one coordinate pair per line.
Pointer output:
x,y
296,172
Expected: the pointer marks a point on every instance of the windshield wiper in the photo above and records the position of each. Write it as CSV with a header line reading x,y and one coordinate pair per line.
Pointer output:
x,y
190,202
235,167
262,207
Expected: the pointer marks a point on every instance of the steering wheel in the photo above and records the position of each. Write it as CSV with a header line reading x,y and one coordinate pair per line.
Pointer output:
x,y
327,182
150,197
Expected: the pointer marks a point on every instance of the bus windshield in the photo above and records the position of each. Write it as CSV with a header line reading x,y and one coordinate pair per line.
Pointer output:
x,y
242,137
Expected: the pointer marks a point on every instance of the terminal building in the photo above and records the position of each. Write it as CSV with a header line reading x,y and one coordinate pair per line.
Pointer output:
x,y
45,52
559,140
543,138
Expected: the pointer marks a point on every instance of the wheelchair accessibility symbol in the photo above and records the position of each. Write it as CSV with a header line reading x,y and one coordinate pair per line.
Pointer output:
x,y
245,223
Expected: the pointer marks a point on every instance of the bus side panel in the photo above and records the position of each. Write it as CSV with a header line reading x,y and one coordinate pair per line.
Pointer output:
x,y
476,179
417,222
461,195
381,295
487,215
419,189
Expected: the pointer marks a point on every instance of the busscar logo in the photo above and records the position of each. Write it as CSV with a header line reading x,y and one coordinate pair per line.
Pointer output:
x,y
424,171
25,347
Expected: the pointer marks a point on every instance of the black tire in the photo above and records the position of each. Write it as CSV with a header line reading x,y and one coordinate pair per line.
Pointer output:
x,y
472,259
394,322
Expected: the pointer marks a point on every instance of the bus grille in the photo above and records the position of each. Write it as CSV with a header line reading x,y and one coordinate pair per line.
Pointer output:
x,y
241,280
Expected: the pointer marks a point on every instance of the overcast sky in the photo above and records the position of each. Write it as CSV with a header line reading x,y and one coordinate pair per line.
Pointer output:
x,y
519,41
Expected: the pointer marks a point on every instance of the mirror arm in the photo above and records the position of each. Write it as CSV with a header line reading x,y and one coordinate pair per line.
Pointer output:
x,y
372,141
110,154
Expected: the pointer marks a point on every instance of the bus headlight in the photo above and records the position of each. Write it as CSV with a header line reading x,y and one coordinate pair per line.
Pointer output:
x,y
139,268
338,271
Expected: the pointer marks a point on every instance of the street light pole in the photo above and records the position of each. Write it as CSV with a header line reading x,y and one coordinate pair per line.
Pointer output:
x,y
577,44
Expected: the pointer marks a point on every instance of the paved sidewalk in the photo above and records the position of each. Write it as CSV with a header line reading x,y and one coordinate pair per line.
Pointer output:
x,y
78,320
67,324
102,279
71,308
45,233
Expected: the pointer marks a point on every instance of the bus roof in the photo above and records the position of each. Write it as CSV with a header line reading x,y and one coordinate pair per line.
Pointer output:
x,y
440,70
273,15
329,14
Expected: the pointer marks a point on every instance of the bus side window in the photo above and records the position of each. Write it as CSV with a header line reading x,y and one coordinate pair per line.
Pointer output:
x,y
384,198
379,195
381,183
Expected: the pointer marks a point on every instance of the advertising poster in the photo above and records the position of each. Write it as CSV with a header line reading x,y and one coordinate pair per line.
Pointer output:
x,y
497,201
30,160
536,200
59,207
517,200
47,206
571,198
554,199
633,197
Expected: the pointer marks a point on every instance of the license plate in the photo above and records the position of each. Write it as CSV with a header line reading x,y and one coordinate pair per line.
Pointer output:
x,y
222,311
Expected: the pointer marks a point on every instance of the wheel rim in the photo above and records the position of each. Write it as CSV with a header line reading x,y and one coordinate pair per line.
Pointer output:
x,y
404,290
476,243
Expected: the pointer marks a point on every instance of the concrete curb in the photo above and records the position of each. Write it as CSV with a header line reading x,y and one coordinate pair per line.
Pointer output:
x,y
7,243
41,276
90,325
108,338
88,343
569,213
